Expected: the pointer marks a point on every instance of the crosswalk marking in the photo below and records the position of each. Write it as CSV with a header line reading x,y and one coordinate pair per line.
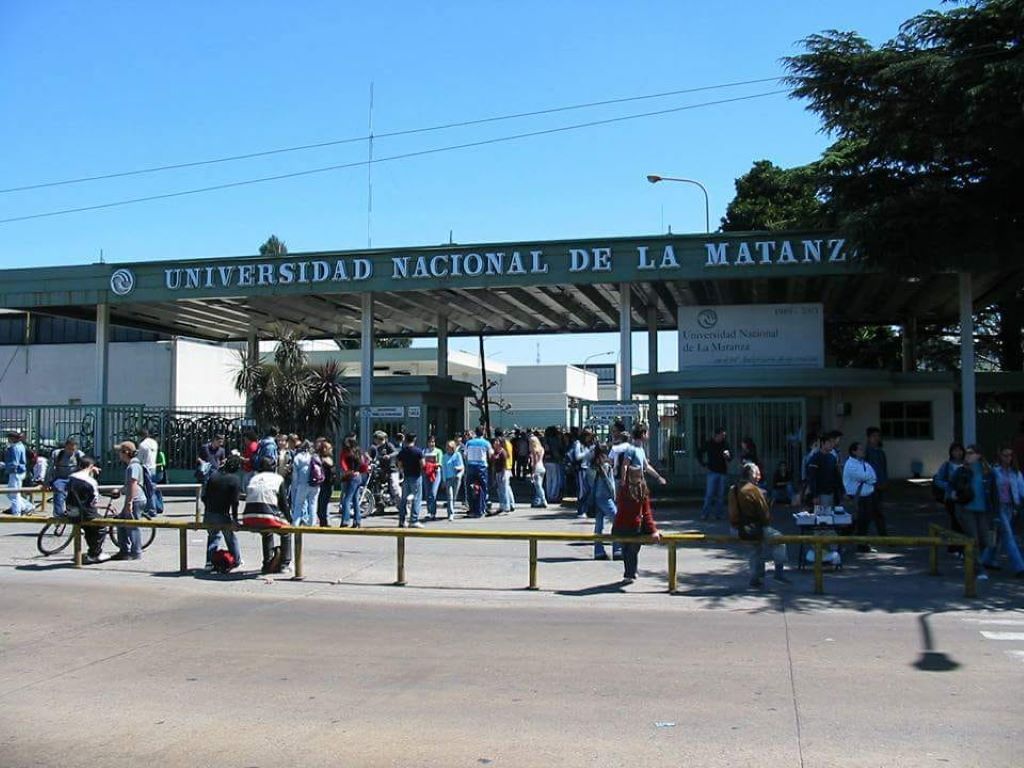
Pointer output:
x,y
1018,655
1002,635
997,622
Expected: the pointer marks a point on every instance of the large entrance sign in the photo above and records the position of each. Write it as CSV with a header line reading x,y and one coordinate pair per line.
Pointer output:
x,y
752,336
494,265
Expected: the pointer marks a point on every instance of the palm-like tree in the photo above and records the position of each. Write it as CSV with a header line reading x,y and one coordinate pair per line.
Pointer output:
x,y
290,393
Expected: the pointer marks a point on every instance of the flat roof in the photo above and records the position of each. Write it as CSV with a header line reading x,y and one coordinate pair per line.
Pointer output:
x,y
525,287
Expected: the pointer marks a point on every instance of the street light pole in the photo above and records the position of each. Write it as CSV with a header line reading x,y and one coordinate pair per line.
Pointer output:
x,y
596,354
707,202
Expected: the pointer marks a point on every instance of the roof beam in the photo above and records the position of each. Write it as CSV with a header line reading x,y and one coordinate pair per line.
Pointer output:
x,y
563,304
489,303
526,302
593,300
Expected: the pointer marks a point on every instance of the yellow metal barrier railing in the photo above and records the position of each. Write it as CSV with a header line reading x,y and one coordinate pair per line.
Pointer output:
x,y
46,494
672,541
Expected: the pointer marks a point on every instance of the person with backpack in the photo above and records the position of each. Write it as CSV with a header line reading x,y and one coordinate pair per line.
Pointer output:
x,y
266,448
604,502
972,491
942,488
750,515
129,539
267,508
307,477
220,507
325,454
634,516
1008,498
81,505
63,464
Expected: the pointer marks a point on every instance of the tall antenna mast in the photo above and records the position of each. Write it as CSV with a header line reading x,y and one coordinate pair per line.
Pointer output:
x,y
369,176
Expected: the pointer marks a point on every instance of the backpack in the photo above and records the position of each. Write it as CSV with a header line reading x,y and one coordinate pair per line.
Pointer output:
x,y
316,471
263,452
963,485
223,561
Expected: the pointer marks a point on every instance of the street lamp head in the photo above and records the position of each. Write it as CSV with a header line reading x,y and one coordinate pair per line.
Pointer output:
x,y
653,179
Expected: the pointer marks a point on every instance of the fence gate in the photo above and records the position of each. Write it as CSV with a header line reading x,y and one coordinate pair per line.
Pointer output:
x,y
777,427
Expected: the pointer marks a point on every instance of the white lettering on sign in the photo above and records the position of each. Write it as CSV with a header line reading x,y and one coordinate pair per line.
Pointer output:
x,y
659,258
773,252
752,336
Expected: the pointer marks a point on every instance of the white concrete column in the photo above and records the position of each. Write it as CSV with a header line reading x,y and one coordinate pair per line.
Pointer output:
x,y
442,345
366,347
100,449
967,397
102,353
252,356
625,341
652,367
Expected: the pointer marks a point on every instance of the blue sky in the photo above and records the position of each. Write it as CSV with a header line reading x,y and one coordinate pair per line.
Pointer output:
x,y
92,88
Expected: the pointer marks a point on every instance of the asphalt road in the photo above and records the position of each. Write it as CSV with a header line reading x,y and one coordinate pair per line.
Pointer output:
x,y
131,664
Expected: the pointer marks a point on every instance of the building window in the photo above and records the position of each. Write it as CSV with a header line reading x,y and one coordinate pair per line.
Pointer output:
x,y
606,374
906,420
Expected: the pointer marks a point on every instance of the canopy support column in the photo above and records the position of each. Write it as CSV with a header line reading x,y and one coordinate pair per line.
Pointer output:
x,y
442,345
252,357
909,339
366,348
968,406
653,423
102,378
625,341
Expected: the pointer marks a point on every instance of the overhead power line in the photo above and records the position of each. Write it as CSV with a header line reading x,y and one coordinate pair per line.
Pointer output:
x,y
392,158
391,134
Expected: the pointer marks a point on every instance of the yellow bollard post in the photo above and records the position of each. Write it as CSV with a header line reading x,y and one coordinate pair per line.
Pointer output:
x,y
672,576
183,550
533,564
400,580
970,580
298,557
76,538
819,570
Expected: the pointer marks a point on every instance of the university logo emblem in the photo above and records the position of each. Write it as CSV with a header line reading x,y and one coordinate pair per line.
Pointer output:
x,y
122,282
707,318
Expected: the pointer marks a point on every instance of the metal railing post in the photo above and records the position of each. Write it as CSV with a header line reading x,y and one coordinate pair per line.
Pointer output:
x,y
533,564
672,575
819,569
970,580
183,550
400,576
76,538
933,560
298,557
199,493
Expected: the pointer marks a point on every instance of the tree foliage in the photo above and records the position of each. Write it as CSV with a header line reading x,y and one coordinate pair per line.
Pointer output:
x,y
273,247
928,131
772,198
290,393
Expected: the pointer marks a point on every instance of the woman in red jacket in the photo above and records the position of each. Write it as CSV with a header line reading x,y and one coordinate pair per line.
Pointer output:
x,y
634,516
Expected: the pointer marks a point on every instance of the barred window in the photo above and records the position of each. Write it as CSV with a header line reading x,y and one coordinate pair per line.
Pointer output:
x,y
910,420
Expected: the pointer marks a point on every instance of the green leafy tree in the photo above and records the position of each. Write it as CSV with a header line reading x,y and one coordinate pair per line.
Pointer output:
x,y
289,392
772,198
273,247
928,151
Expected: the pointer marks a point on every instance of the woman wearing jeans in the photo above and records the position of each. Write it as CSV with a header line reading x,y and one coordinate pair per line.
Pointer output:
x,y
972,492
452,469
537,472
634,516
350,465
1009,496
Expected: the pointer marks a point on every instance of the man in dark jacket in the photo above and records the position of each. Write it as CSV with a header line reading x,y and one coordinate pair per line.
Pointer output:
x,y
824,482
715,456
220,501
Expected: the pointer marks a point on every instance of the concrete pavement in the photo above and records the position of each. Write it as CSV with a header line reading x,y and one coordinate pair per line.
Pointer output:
x,y
129,662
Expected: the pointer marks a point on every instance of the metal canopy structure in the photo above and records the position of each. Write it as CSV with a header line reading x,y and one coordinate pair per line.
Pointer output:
x,y
496,288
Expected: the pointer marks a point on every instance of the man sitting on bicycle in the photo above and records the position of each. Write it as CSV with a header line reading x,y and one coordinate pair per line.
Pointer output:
x,y
82,501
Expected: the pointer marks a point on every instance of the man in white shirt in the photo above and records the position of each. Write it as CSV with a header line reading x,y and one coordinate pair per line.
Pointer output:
x,y
859,481
147,451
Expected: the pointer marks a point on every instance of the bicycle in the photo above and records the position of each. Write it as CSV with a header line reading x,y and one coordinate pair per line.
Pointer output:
x,y
55,537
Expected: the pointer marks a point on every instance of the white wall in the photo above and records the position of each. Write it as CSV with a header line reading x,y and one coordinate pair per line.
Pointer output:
x,y
53,374
205,375
900,453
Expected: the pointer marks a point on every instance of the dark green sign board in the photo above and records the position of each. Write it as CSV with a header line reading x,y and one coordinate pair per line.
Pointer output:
x,y
494,265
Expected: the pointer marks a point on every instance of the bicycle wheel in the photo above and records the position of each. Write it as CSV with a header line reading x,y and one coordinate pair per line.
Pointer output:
x,y
54,537
365,502
148,535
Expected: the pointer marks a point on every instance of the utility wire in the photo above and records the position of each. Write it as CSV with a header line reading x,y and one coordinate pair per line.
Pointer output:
x,y
391,134
403,156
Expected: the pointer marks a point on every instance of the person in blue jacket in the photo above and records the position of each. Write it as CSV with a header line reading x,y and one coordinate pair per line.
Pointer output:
x,y
15,465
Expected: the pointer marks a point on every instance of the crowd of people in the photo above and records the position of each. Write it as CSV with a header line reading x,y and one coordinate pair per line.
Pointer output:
x,y
286,480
